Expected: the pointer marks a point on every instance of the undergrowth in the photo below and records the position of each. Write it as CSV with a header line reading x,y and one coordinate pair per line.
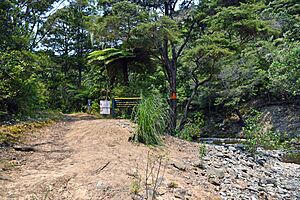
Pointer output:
x,y
258,137
193,128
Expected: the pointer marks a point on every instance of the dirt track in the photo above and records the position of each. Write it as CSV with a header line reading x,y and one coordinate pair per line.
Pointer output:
x,y
86,158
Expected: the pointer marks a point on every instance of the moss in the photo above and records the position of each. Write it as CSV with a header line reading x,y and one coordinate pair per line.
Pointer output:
x,y
6,165
13,133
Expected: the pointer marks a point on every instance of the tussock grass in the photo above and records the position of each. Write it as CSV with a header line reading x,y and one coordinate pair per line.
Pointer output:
x,y
151,117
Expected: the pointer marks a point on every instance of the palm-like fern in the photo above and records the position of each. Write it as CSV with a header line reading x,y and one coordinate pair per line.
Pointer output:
x,y
109,55
112,58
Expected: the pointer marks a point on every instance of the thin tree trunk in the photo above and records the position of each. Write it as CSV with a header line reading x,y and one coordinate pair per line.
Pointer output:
x,y
125,73
173,100
187,105
79,74
186,108
241,120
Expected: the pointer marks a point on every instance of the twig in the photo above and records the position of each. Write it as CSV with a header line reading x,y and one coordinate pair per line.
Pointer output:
x,y
24,148
102,168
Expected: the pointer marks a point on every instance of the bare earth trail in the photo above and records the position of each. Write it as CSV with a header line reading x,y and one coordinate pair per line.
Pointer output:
x,y
86,158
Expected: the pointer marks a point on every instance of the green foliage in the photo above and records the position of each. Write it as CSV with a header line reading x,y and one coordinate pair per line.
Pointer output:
x,y
134,187
95,108
247,51
202,151
258,137
109,55
284,72
151,119
190,132
192,129
21,89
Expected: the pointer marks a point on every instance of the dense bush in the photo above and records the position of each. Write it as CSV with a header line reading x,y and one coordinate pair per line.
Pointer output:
x,y
258,137
21,90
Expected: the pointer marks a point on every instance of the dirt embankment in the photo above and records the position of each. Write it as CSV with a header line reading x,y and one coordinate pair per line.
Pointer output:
x,y
87,158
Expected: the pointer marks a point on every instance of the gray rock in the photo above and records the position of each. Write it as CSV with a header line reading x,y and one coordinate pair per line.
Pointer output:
x,y
214,181
232,148
218,173
180,193
199,164
261,161
102,185
179,165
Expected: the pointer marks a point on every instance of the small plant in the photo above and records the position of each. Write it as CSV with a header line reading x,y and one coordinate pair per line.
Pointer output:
x,y
155,170
202,151
151,118
172,185
135,187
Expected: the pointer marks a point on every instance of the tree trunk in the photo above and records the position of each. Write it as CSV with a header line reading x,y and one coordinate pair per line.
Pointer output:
x,y
241,120
197,85
125,73
79,74
186,108
173,99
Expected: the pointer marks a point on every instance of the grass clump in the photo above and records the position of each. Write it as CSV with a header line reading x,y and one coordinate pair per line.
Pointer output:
x,y
151,118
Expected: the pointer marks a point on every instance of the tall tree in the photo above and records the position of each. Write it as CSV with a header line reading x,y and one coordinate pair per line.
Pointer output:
x,y
167,34
21,23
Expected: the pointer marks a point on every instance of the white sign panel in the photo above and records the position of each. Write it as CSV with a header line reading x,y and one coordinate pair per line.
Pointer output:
x,y
104,107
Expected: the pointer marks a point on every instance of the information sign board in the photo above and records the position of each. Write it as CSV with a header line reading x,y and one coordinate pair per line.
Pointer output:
x,y
104,107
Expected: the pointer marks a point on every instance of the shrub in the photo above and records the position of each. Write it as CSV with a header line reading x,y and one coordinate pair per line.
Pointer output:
x,y
257,137
151,118
192,130
95,108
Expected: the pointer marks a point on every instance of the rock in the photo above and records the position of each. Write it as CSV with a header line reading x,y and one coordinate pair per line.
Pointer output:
x,y
219,154
253,198
241,185
219,148
223,194
252,189
232,148
102,185
241,147
261,161
180,193
218,173
271,181
137,197
214,181
199,164
206,158
179,165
